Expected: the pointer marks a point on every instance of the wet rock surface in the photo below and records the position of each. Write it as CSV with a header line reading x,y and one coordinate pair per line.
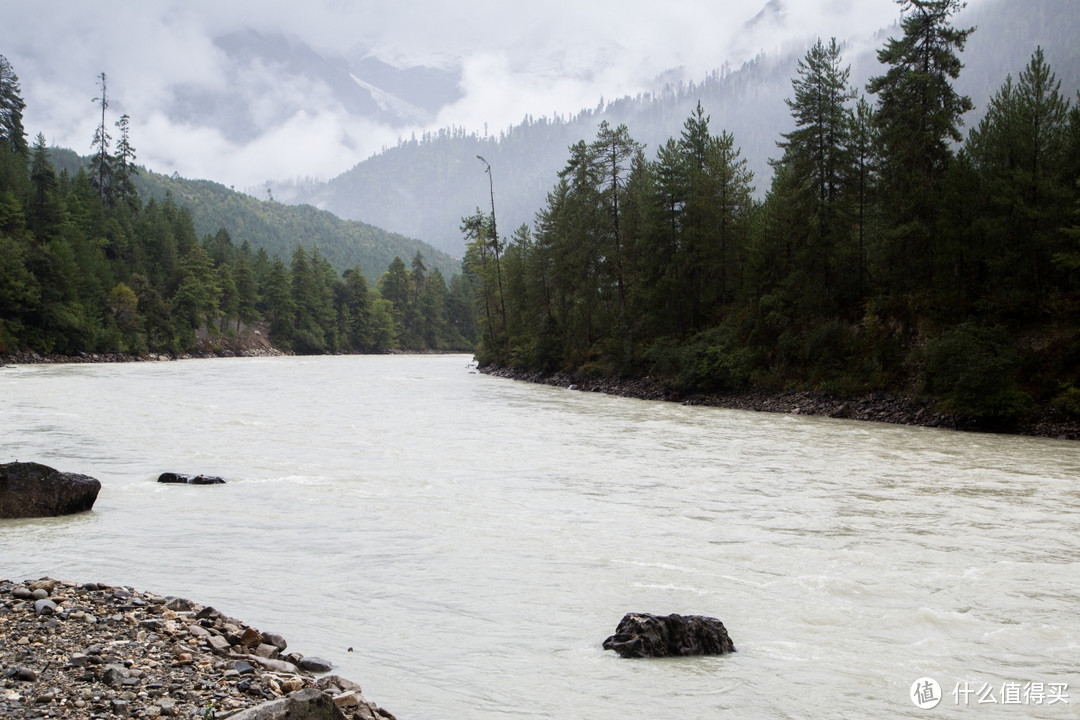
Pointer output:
x,y
643,635
29,489
181,479
97,651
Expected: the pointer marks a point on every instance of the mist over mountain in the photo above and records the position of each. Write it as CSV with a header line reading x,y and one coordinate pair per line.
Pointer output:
x,y
363,85
424,186
254,90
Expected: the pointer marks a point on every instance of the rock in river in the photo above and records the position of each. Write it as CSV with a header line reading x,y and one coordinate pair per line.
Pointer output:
x,y
29,489
178,478
643,635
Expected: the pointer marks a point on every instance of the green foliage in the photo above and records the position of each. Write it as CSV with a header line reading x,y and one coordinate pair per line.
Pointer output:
x,y
971,367
12,134
712,361
874,230
1067,402
86,266
278,228
918,115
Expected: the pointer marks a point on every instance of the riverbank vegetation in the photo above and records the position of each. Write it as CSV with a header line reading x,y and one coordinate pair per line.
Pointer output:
x,y
889,252
87,265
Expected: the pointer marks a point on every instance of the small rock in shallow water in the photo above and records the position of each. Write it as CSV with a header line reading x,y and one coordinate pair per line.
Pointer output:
x,y
180,479
642,635
315,665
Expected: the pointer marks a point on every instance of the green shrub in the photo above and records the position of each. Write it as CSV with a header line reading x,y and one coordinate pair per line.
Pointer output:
x,y
1067,402
970,368
829,348
710,362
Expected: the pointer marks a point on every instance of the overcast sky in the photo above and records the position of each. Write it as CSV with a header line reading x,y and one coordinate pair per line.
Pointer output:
x,y
515,58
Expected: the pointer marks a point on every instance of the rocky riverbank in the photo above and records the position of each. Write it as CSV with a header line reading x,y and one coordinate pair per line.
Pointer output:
x,y
88,651
877,407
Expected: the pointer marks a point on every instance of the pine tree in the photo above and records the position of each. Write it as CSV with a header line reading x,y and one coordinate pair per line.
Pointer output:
x,y
1019,152
478,266
45,213
277,303
13,148
395,286
356,312
918,115
861,184
246,291
12,105
612,153
101,160
817,158
123,167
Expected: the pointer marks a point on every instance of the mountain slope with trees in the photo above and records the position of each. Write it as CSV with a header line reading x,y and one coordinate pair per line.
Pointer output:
x,y
422,186
895,249
272,226
106,257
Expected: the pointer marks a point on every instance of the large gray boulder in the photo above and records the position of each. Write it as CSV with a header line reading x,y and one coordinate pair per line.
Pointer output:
x,y
29,489
642,635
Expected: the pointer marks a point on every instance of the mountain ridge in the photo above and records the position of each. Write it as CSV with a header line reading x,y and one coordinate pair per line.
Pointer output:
x,y
423,186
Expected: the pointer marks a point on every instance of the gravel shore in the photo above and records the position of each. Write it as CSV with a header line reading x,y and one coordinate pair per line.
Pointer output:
x,y
70,650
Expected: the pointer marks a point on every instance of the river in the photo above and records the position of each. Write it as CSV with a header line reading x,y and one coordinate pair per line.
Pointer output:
x,y
474,539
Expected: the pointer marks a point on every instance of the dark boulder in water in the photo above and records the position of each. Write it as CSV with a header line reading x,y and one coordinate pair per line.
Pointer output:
x,y
177,478
642,635
29,489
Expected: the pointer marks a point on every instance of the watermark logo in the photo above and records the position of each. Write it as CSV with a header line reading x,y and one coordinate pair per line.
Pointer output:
x,y
925,693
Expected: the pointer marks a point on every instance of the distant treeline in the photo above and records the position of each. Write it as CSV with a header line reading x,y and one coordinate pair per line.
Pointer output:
x,y
888,253
87,266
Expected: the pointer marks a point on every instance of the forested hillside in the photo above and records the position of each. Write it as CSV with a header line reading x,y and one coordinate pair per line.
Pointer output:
x,y
893,249
104,256
272,226
423,186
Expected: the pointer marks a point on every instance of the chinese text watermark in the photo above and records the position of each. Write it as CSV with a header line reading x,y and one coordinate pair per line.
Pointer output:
x,y
926,693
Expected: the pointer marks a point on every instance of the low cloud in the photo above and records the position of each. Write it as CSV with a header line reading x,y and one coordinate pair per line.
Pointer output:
x,y
539,59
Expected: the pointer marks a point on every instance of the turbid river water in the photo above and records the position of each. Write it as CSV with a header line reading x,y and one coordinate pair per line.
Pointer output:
x,y
475,539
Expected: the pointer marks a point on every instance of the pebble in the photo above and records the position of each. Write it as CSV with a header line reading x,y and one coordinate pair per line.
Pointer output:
x,y
44,606
90,651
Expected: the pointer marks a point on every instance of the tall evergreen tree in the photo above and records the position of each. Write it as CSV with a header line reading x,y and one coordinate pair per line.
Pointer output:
x,y
357,312
124,169
1019,152
13,148
817,157
45,212
101,160
246,291
919,114
12,105
861,187
277,303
